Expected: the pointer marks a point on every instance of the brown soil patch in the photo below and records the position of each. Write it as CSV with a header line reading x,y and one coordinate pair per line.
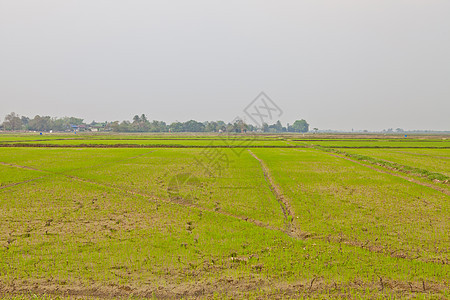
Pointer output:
x,y
229,287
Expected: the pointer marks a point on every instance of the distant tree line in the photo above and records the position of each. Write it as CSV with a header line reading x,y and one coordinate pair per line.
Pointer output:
x,y
14,122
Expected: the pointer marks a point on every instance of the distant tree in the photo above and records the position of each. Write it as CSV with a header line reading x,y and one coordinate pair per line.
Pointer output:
x,y
60,124
278,126
142,124
238,126
114,126
229,128
157,126
25,121
221,125
144,118
211,126
315,129
12,122
176,127
125,126
193,126
300,126
64,124
399,130
73,121
39,123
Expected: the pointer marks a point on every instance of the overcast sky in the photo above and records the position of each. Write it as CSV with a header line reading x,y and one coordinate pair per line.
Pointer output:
x,y
338,64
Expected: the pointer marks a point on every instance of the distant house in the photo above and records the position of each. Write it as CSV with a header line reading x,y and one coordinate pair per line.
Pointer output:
x,y
98,127
81,127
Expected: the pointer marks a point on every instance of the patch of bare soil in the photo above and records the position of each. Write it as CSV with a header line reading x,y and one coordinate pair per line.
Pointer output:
x,y
228,286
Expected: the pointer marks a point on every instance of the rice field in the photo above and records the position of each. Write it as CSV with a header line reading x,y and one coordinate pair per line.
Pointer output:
x,y
224,217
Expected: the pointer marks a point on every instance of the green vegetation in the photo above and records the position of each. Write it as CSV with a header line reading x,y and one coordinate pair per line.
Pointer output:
x,y
381,143
267,223
393,165
432,160
14,122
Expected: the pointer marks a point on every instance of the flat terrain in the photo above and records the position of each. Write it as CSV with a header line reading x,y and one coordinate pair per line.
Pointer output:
x,y
224,216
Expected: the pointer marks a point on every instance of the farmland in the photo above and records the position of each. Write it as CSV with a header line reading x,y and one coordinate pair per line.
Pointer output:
x,y
271,216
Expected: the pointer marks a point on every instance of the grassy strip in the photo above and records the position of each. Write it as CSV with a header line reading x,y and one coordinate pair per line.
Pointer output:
x,y
436,177
141,146
385,147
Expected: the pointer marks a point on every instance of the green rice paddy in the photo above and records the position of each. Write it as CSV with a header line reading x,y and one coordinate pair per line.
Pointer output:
x,y
251,217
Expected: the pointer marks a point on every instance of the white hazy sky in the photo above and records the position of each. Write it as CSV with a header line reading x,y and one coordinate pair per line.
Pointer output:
x,y
338,64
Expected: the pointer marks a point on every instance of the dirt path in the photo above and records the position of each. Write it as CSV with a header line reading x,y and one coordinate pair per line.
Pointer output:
x,y
313,287
21,182
25,181
21,167
288,213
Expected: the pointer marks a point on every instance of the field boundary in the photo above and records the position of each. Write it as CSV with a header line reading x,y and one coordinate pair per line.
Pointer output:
x,y
383,147
433,176
421,154
27,145
22,182
436,188
284,203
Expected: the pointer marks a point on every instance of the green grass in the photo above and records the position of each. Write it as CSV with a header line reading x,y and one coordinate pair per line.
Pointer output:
x,y
163,142
380,143
103,218
435,160
434,176
11,175
336,198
